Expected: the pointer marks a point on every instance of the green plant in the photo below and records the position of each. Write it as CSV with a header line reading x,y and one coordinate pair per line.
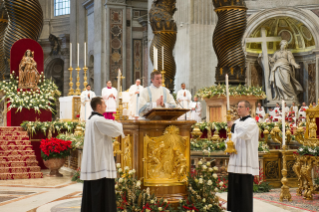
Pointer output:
x,y
55,148
77,141
76,176
262,187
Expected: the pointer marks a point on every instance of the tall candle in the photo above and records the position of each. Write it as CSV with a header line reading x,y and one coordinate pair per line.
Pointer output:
x,y
227,92
163,58
85,54
283,122
70,54
78,55
154,57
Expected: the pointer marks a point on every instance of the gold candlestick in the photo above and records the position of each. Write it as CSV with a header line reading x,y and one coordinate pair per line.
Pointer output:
x,y
71,91
85,78
163,78
284,193
230,144
78,90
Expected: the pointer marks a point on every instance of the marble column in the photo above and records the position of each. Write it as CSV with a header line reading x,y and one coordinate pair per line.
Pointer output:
x,y
143,20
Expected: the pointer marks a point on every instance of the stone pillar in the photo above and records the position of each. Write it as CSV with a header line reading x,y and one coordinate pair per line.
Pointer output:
x,y
143,20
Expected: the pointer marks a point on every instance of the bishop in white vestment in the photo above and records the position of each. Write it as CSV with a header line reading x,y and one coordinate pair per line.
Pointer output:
x,y
109,94
196,110
155,96
184,98
98,169
86,108
244,165
135,92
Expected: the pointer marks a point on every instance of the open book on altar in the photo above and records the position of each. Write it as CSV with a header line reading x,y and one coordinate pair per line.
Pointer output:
x,y
165,113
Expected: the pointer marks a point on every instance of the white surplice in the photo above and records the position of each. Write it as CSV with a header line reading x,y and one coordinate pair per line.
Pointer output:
x,y
196,111
86,108
245,138
97,160
134,99
302,112
151,94
295,109
184,98
109,101
260,112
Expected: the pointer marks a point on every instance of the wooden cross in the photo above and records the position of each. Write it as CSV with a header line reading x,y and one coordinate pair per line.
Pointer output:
x,y
264,40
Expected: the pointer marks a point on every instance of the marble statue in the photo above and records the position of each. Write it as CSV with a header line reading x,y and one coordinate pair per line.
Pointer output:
x,y
282,74
28,73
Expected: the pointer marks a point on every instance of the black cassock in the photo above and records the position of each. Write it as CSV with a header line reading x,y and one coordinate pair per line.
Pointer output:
x,y
98,196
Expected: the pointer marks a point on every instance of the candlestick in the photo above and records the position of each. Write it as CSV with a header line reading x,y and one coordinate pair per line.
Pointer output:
x,y
163,58
70,54
283,121
78,90
78,58
156,58
227,92
85,54
71,91
85,78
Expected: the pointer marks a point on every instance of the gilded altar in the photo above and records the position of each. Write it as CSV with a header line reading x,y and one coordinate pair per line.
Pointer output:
x,y
159,151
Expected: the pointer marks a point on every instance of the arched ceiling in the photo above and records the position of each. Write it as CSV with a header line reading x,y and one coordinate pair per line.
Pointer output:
x,y
295,32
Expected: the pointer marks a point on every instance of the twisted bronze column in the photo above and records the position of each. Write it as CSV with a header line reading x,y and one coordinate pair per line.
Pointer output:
x,y
25,21
3,27
227,40
164,29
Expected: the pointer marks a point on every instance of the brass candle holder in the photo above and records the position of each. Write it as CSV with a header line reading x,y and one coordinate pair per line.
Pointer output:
x,y
85,78
284,193
78,90
71,91
163,77
230,144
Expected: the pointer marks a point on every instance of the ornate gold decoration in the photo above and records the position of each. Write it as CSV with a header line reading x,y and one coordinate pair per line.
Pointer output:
x,y
164,29
119,111
25,21
275,134
78,90
71,90
127,154
229,31
166,158
285,193
266,133
76,107
3,26
196,133
230,144
216,137
116,147
85,78
78,130
28,73
163,77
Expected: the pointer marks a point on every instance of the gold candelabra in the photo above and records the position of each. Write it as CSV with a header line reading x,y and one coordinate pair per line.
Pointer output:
x,y
284,193
78,90
163,78
85,78
230,144
119,111
71,91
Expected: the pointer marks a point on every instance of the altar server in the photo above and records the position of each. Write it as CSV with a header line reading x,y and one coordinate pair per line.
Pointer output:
x,y
196,110
260,112
155,96
302,111
86,108
277,108
109,94
98,169
294,109
244,165
184,98
134,92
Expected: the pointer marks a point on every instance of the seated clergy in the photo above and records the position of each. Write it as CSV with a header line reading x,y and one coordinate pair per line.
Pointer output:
x,y
86,109
155,96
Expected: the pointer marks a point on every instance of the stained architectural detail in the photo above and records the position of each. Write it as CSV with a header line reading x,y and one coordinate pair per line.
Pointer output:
x,y
55,45
164,29
256,75
271,170
137,59
227,38
312,83
3,27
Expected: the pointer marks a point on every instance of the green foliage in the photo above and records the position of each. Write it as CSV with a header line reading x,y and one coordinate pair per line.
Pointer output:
x,y
262,187
77,141
307,150
76,176
317,181
207,146
43,98
262,147
240,90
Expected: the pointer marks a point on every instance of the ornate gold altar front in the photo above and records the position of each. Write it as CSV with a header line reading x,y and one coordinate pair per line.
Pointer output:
x,y
159,151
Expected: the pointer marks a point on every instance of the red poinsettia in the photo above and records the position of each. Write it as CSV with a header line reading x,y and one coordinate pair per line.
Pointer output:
x,y
78,116
257,118
55,148
304,109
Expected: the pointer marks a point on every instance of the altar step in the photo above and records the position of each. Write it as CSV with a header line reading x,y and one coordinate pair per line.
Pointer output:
x,y
17,157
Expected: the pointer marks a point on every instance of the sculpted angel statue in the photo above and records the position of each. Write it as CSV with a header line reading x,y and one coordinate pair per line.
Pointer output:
x,y
28,73
282,74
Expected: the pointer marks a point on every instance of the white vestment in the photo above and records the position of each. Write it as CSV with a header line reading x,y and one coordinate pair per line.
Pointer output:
x,y
86,108
260,112
245,138
277,109
302,112
97,160
151,94
277,118
109,101
196,111
184,98
134,99
295,109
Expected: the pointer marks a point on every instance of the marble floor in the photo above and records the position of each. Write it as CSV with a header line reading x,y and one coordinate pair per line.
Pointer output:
x,y
59,194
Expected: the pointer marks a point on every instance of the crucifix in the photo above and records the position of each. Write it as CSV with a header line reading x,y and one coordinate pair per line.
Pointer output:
x,y
263,40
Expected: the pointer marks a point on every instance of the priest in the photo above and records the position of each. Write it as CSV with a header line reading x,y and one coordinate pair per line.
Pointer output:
x,y
184,98
155,96
260,113
98,169
109,94
86,108
244,165
196,110
134,93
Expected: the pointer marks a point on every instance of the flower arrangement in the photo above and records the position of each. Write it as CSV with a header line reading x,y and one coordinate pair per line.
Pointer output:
x,y
260,185
77,141
202,188
212,125
76,176
42,98
240,90
207,146
263,147
130,197
55,148
307,150
222,184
